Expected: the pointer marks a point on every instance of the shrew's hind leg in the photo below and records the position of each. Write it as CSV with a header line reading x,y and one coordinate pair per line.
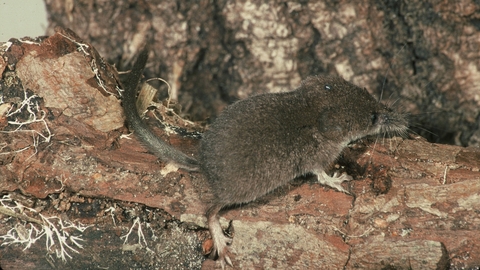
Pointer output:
x,y
220,241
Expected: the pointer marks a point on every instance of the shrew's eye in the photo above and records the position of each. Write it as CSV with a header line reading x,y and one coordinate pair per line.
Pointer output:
x,y
374,118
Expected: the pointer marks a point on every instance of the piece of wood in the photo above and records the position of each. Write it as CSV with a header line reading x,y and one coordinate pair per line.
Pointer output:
x,y
414,204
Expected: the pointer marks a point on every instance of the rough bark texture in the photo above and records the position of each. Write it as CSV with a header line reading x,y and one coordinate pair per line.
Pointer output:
x,y
423,53
414,204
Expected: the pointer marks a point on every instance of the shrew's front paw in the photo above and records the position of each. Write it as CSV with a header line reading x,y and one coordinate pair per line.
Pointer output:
x,y
334,181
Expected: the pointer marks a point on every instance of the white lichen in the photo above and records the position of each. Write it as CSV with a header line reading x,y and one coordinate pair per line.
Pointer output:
x,y
35,115
142,242
59,238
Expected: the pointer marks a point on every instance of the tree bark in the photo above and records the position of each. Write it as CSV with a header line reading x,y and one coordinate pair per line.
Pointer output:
x,y
420,55
413,204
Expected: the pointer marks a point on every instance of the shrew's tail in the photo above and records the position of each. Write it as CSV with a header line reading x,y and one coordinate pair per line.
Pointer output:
x,y
160,148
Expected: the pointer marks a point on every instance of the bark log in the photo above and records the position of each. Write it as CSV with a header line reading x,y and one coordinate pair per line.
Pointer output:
x,y
413,205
